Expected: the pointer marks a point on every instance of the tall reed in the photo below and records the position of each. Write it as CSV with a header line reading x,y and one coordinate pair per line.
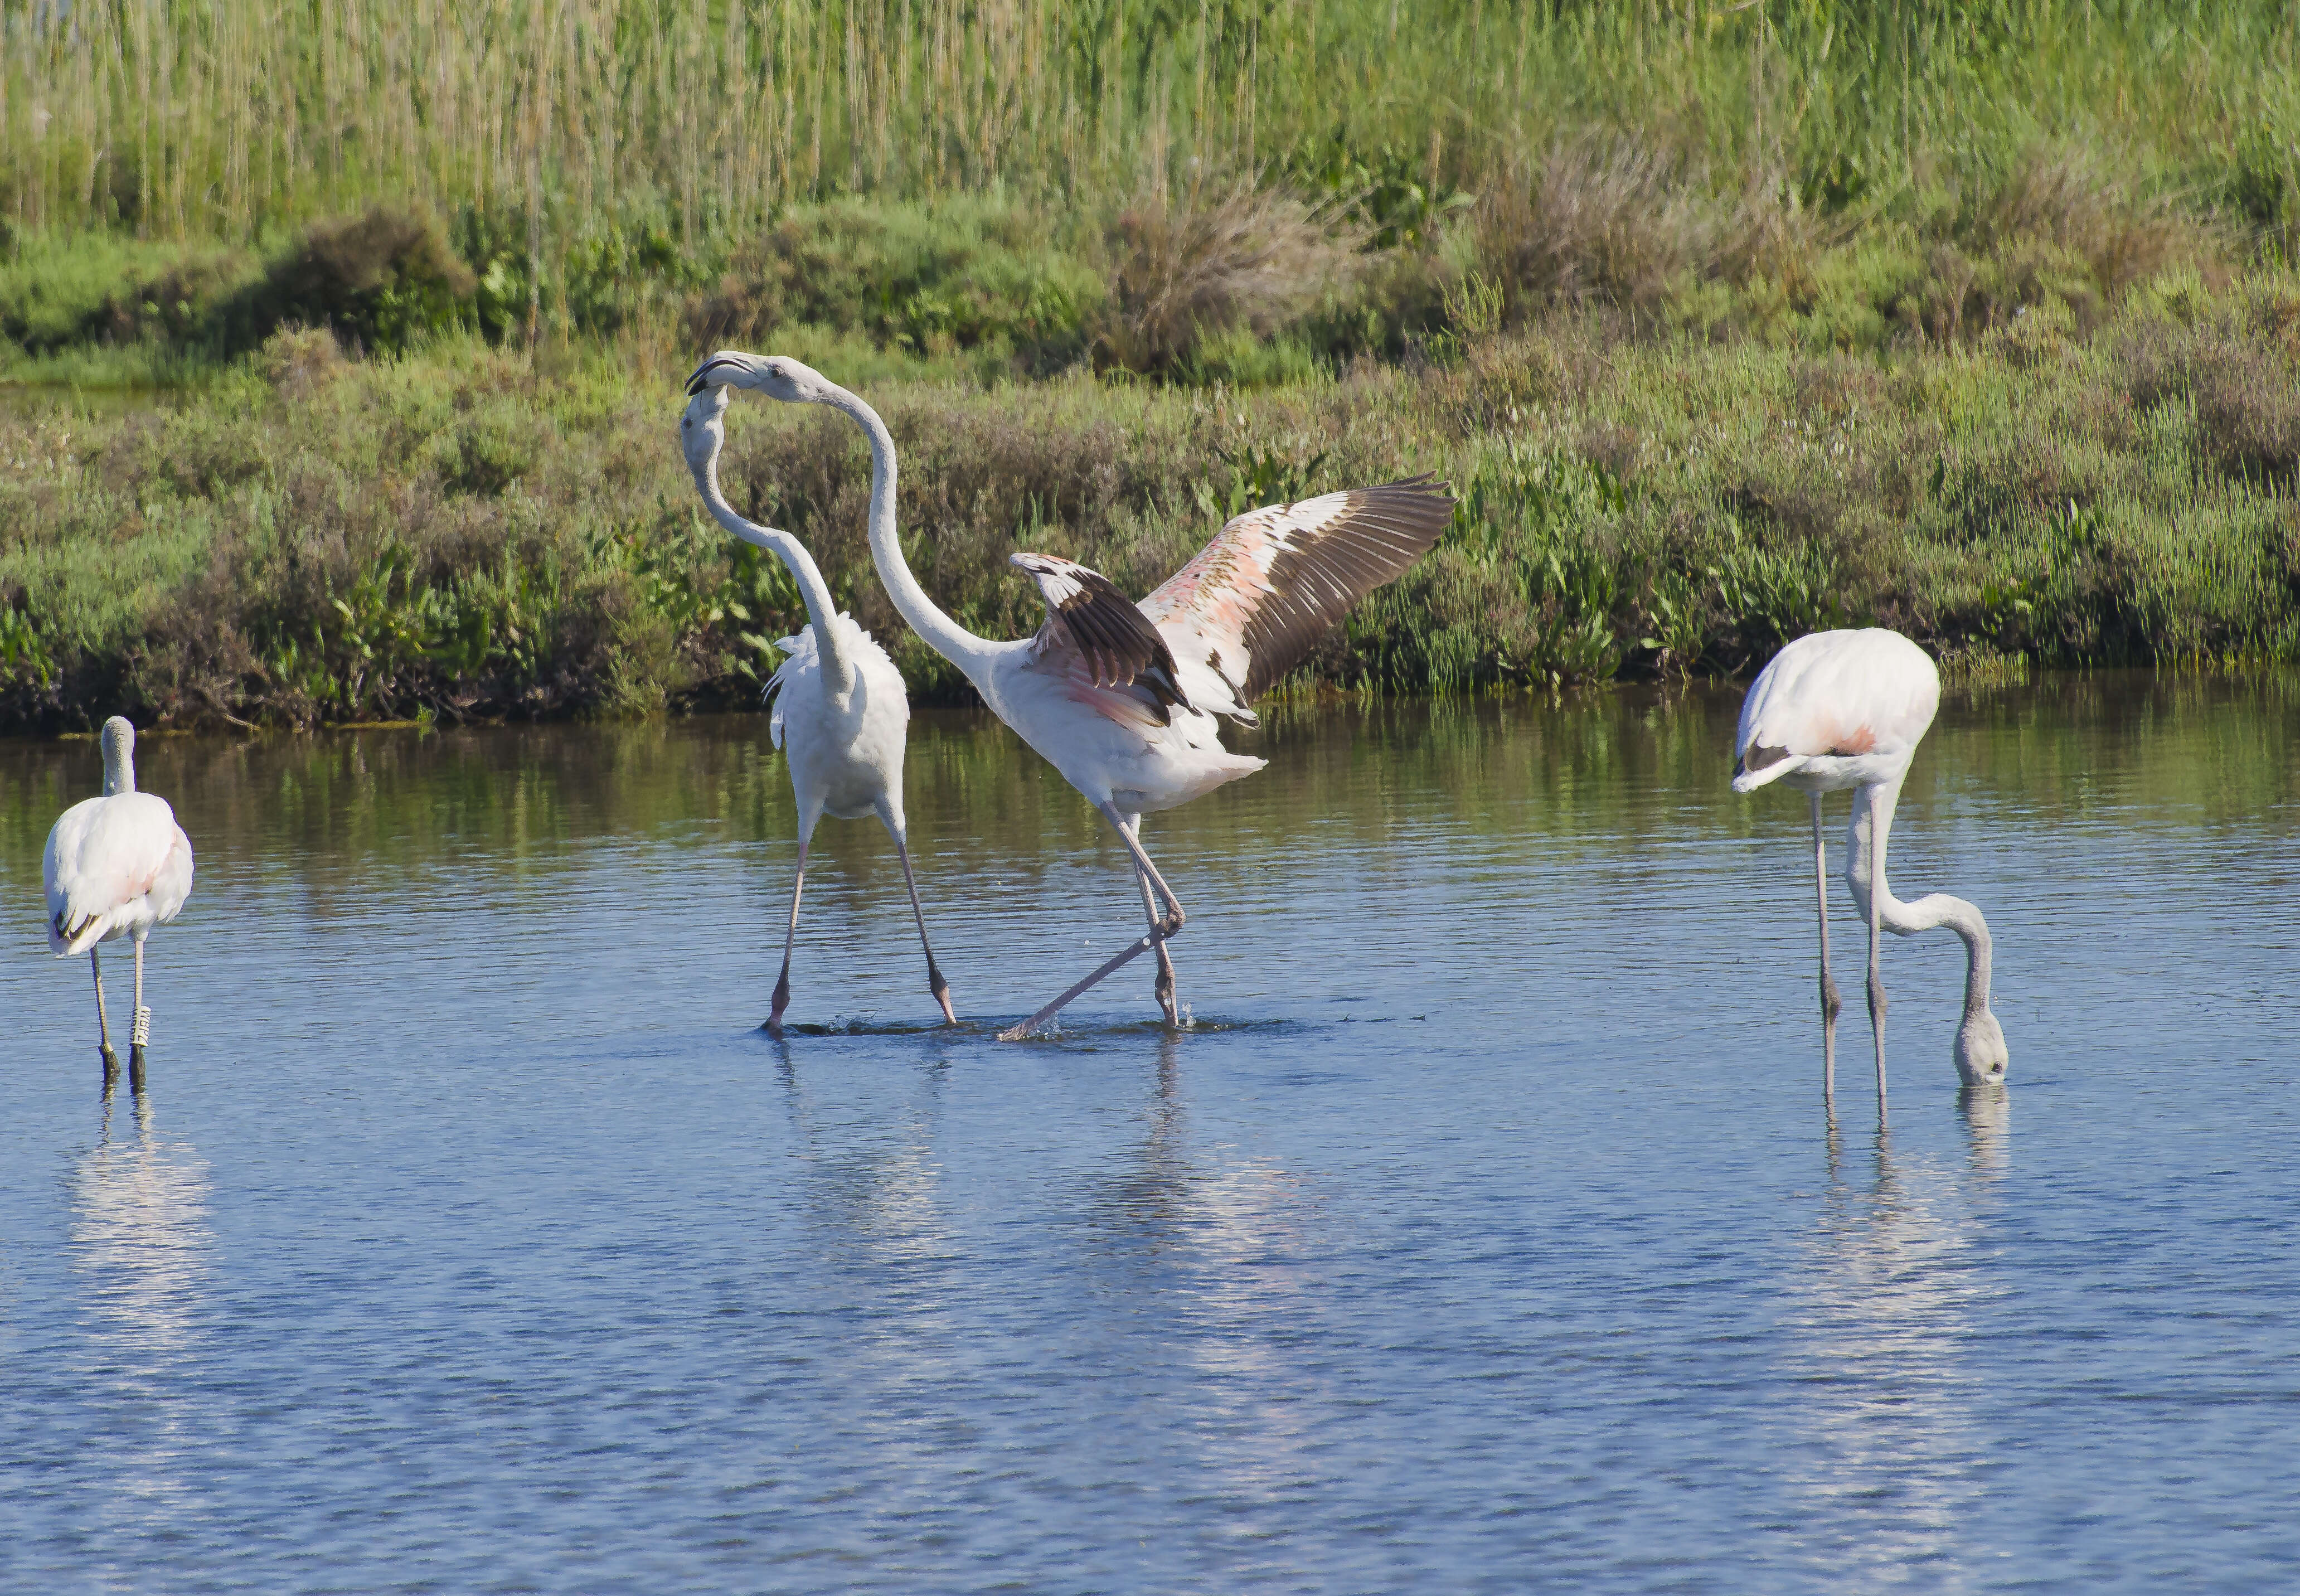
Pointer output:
x,y
232,118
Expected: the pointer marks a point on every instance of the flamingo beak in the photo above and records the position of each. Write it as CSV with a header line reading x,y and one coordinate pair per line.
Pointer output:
x,y
702,377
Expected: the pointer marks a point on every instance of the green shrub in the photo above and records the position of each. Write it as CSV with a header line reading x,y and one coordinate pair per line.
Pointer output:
x,y
177,305
931,280
380,281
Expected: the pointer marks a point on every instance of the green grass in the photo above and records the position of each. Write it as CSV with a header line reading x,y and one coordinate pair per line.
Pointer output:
x,y
1795,158
229,119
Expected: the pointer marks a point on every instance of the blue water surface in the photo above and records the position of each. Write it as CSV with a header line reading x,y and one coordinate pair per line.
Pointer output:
x,y
1485,1232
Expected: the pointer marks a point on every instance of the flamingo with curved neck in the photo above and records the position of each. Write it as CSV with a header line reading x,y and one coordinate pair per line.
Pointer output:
x,y
1846,710
1121,697
841,715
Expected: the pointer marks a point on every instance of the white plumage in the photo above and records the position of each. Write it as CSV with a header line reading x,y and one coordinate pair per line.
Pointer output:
x,y
839,713
116,865
803,663
1122,698
1846,710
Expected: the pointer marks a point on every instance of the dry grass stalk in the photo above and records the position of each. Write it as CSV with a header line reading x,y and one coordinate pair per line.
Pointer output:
x,y
1605,220
1769,237
2068,199
1182,272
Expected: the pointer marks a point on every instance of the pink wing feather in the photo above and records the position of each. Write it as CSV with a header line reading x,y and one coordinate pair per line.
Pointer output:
x,y
1257,599
1102,639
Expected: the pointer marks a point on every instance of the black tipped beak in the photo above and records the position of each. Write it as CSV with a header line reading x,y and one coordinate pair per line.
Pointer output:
x,y
702,377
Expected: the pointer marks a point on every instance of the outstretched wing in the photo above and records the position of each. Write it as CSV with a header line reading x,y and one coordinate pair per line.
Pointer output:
x,y
1108,639
1257,599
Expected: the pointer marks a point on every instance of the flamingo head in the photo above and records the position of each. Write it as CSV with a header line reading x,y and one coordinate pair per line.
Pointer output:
x,y
777,376
1981,1052
703,430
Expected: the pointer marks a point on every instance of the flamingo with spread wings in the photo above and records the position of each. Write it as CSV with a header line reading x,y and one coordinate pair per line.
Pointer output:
x,y
1123,698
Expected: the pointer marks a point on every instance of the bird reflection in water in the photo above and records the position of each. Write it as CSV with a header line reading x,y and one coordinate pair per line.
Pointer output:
x,y
140,1242
1988,1114
1883,1329
1141,1203
883,1263
1210,1259
872,1190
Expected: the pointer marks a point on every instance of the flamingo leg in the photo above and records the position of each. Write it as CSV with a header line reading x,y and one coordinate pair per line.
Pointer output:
x,y
1877,1003
102,1022
935,982
1158,933
1164,988
790,932
139,1029
1831,1005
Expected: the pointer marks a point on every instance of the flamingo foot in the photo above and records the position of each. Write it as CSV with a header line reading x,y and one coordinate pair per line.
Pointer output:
x,y
774,1026
1140,945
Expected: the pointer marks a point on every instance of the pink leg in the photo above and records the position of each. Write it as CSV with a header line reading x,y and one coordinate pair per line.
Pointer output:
x,y
103,1024
1877,1003
1160,931
139,1027
806,824
1831,1005
1165,987
935,982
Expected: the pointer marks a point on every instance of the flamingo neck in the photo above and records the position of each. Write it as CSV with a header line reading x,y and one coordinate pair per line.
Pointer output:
x,y
1873,826
944,635
1965,920
119,766
821,609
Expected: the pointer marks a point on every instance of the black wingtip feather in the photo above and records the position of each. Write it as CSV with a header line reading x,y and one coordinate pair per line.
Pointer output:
x,y
1384,530
1116,640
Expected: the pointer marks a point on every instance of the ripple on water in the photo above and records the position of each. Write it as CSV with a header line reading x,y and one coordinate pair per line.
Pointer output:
x,y
1484,1228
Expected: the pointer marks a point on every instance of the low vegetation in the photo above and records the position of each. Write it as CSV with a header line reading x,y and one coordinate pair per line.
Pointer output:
x,y
475,533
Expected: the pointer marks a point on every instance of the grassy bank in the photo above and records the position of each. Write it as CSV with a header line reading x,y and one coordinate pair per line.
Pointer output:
x,y
465,532
1981,321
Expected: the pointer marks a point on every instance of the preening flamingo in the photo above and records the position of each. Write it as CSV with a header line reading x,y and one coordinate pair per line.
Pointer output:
x,y
840,712
116,866
1839,709
1122,699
